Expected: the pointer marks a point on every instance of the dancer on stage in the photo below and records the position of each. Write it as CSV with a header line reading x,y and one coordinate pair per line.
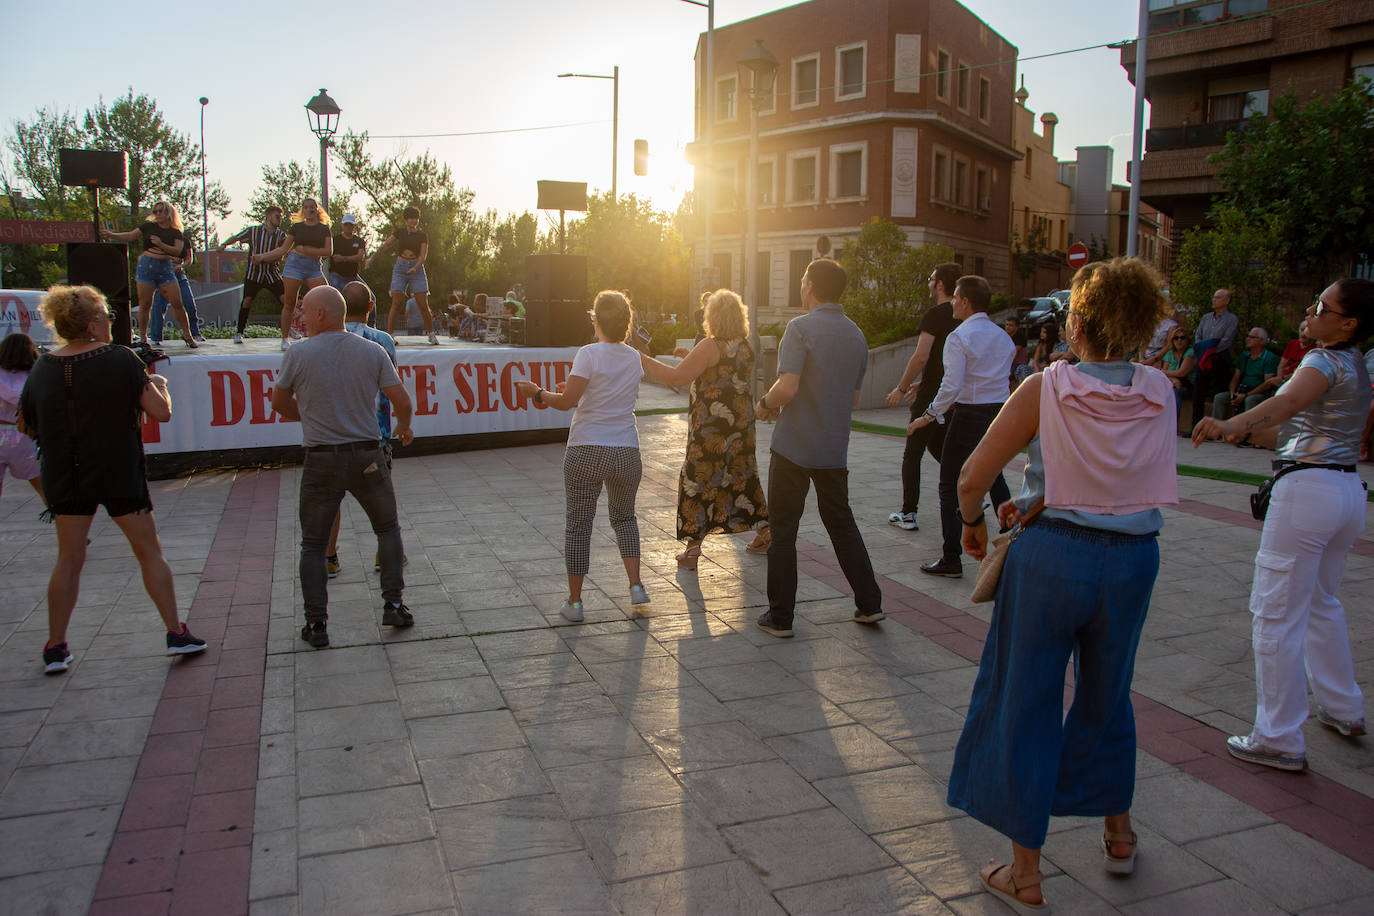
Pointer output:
x,y
408,276
162,242
349,252
307,241
262,274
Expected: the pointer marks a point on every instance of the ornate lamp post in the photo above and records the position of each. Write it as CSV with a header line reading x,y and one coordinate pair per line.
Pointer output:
x,y
322,113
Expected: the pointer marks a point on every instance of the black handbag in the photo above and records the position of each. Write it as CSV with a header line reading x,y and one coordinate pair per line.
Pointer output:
x,y
1259,500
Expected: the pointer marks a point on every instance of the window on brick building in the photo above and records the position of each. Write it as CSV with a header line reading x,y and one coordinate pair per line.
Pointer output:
x,y
982,189
849,71
806,73
726,91
942,75
803,177
984,98
965,77
961,182
939,175
848,170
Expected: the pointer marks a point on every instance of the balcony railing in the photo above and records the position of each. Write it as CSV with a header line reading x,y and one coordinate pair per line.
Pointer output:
x,y
1193,135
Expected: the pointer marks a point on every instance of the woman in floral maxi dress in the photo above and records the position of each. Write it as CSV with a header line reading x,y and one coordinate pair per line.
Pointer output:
x,y
718,489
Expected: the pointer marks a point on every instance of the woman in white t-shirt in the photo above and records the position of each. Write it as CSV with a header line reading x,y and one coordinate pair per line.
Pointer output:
x,y
603,444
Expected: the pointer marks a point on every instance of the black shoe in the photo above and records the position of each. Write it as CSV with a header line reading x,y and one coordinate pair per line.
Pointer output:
x,y
56,659
184,643
316,634
396,615
766,624
870,617
950,569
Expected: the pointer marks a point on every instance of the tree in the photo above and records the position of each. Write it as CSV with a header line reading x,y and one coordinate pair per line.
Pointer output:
x,y
887,292
1307,169
630,245
163,163
33,146
1239,252
286,184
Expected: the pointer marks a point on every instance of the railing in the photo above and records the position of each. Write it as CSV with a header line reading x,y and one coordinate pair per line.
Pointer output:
x,y
1193,135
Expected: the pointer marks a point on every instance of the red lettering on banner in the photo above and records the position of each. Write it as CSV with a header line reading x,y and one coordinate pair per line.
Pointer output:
x,y
513,399
260,393
424,388
467,399
486,387
226,398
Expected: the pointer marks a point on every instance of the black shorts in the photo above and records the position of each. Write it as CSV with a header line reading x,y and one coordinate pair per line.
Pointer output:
x,y
251,288
126,505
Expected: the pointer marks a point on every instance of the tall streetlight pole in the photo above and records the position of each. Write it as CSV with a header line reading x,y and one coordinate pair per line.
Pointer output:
x,y
322,114
204,212
708,87
1133,213
759,61
614,77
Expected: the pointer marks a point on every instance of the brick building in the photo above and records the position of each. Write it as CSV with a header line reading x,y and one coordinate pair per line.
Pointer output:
x,y
1204,82
883,109
1040,205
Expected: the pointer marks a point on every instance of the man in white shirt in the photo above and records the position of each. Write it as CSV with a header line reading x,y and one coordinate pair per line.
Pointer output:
x,y
978,356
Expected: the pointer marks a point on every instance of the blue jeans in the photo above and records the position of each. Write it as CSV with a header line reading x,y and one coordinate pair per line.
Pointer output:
x,y
1066,591
788,484
361,469
160,304
967,423
301,267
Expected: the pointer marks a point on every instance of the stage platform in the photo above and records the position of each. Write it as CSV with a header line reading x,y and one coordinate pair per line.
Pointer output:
x,y
463,393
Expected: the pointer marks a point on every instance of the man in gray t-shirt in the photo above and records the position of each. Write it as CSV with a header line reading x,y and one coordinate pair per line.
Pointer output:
x,y
329,382
821,364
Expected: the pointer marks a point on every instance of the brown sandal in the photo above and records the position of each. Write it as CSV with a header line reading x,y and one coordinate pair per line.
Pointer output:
x,y
689,557
1119,866
1010,899
761,541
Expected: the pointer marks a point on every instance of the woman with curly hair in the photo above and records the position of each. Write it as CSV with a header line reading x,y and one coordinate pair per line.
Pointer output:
x,y
718,489
1086,428
84,404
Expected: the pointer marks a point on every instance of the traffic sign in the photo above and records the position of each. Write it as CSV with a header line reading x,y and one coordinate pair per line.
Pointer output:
x,y
1077,255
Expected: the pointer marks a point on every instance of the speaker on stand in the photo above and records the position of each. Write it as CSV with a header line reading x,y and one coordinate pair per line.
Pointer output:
x,y
104,265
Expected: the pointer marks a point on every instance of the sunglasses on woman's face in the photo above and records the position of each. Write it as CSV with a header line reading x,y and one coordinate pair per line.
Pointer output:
x,y
1320,308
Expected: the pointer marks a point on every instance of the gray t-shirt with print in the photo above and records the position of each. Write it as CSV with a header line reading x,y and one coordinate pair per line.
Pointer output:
x,y
336,377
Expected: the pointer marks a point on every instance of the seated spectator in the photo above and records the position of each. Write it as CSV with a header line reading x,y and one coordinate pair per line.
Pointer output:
x,y
1180,365
1052,347
415,324
1294,352
475,317
1160,343
1020,360
1254,367
455,314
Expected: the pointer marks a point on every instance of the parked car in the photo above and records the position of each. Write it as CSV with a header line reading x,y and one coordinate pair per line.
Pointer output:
x,y
1044,309
1062,295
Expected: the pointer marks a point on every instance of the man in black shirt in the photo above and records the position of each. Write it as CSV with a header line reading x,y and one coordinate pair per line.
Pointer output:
x,y
349,252
264,275
927,364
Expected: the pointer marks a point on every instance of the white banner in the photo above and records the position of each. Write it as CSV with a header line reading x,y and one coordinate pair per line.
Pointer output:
x,y
19,313
225,402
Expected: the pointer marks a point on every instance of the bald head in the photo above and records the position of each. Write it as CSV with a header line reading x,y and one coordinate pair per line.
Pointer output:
x,y
323,309
358,300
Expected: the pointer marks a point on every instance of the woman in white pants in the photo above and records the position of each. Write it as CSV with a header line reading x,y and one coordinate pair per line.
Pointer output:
x,y
1315,514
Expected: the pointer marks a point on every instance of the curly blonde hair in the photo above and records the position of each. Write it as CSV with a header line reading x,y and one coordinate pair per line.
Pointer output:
x,y
1119,304
726,317
69,310
175,218
614,314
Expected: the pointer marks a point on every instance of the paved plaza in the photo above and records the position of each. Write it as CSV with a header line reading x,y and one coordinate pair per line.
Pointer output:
x,y
496,759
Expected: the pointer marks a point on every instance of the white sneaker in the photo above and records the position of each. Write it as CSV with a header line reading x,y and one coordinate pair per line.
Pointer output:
x,y
572,610
434,338
638,595
285,344
904,520
238,338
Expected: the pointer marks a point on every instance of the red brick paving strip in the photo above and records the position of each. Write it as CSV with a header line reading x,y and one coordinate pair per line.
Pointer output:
x,y
1334,815
184,843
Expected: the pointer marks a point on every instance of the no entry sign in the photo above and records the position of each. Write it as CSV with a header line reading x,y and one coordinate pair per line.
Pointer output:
x,y
1077,255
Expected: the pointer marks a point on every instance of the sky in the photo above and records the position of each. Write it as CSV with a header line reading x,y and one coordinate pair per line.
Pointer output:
x,y
489,70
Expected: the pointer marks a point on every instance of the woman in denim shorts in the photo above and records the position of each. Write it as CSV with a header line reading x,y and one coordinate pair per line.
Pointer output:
x,y
412,248
162,242
307,241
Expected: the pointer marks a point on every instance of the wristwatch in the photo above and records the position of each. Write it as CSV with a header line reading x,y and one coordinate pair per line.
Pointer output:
x,y
539,395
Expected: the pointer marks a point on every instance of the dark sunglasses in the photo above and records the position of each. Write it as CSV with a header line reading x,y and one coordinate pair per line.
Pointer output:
x,y
1320,308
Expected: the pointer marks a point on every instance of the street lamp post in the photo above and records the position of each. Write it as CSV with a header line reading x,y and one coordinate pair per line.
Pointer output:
x,y
614,77
322,113
759,61
204,212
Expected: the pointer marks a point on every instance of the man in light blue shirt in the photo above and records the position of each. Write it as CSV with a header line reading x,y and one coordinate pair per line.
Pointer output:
x,y
821,365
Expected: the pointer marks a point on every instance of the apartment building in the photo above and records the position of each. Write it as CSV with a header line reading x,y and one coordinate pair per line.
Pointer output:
x,y
882,109
1040,200
1213,65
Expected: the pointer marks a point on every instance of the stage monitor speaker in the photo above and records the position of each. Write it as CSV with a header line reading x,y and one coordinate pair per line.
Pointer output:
x,y
557,323
106,267
556,276
92,168
563,195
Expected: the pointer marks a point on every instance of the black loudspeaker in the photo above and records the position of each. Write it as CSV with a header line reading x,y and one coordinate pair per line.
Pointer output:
x,y
556,276
563,195
557,323
92,168
106,267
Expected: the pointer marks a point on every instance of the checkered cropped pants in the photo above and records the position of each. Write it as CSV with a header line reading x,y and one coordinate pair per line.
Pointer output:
x,y
585,469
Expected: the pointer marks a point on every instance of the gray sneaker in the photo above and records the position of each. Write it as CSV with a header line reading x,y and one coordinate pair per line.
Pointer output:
x,y
1351,728
1245,747
572,610
904,520
638,595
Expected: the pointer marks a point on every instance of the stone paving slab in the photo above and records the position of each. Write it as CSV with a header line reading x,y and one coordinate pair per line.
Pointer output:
x,y
496,759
